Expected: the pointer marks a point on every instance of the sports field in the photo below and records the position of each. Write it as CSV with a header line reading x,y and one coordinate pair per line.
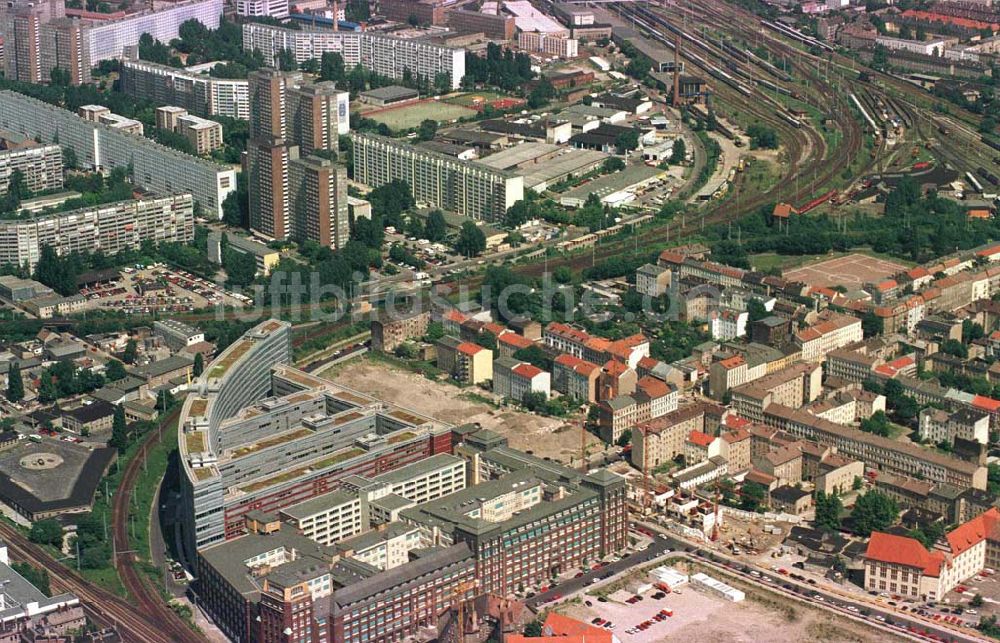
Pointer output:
x,y
411,114
849,270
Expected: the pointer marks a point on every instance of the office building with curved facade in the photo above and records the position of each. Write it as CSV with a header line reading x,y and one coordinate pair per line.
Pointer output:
x,y
259,435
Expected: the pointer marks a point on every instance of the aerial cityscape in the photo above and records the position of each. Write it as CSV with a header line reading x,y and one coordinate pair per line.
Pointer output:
x,y
505,321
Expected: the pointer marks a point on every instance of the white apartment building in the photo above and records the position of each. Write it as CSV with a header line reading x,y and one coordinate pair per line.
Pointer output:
x,y
512,379
381,54
832,331
257,8
729,324
196,92
437,180
346,512
110,38
41,166
385,548
110,228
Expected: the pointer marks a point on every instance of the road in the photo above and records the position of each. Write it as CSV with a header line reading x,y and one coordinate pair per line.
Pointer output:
x,y
839,602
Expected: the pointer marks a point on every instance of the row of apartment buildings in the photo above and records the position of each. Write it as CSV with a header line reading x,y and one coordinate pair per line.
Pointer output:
x,y
154,167
437,180
108,228
378,53
198,93
41,166
37,42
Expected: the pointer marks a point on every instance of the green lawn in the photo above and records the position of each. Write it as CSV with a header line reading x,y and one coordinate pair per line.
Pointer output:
x,y
409,116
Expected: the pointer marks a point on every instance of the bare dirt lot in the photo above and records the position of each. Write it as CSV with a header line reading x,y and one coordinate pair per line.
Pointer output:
x,y
699,616
850,270
543,436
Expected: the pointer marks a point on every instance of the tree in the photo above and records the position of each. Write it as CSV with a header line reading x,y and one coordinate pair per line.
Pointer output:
x,y
240,267
199,364
678,151
47,391
15,385
877,424
828,510
872,324
331,67
988,125
119,430
46,532
131,350
435,228
427,130
533,629
762,137
613,164
541,94
391,200
627,141
286,60
955,347
873,511
37,576
756,310
625,438
752,496
114,371
471,240
858,483
563,274
534,355
977,601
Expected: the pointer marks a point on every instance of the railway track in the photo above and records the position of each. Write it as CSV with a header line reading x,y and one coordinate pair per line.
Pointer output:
x,y
139,586
813,174
143,619
107,609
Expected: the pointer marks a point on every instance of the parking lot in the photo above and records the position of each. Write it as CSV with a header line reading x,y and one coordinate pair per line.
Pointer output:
x,y
158,288
696,615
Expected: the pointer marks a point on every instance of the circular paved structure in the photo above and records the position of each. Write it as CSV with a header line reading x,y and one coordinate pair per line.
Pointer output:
x,y
41,461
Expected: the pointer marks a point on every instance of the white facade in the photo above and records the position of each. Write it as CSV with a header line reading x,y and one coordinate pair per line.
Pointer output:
x,y
381,54
729,324
109,39
256,8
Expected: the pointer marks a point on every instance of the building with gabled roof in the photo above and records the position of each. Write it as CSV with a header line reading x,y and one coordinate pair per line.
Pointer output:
x,y
902,565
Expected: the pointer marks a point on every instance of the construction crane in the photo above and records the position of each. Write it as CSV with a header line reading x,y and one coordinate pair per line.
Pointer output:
x,y
645,470
458,603
715,523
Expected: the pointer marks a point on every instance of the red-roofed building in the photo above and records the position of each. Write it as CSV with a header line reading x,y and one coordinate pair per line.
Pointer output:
x,y
565,338
783,211
990,253
832,331
510,343
466,362
616,379
563,629
452,322
903,566
701,446
575,377
512,379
